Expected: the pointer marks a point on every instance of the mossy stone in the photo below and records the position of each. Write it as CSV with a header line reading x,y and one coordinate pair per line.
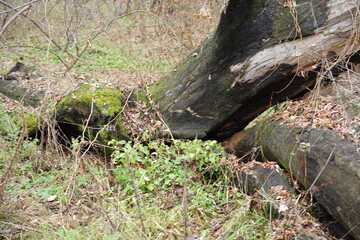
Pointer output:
x,y
94,110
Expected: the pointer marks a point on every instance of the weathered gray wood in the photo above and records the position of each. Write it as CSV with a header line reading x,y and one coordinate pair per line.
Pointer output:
x,y
319,159
262,52
254,59
261,179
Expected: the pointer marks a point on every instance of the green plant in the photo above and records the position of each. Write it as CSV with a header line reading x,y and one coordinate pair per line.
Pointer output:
x,y
108,57
159,166
11,124
10,127
166,173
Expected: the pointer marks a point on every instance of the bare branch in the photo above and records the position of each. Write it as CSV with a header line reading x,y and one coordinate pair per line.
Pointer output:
x,y
95,35
43,31
13,18
16,8
43,49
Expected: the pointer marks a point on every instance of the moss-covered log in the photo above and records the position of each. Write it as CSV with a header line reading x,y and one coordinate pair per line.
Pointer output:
x,y
262,52
93,112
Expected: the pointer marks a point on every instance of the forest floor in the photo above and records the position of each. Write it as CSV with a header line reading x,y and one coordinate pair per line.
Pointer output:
x,y
52,191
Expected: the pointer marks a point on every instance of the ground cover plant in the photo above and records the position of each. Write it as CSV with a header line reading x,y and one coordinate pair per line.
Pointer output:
x,y
52,193
147,189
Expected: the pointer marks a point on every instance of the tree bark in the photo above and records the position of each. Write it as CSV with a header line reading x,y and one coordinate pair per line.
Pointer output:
x,y
14,90
262,52
318,159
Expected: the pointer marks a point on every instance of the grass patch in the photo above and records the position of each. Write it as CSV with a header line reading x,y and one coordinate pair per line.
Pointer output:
x,y
109,57
157,190
147,191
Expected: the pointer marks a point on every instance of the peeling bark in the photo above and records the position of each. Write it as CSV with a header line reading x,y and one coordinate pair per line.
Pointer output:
x,y
260,54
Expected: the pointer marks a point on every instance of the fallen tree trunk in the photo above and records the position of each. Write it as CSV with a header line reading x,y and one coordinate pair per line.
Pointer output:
x,y
12,85
14,90
262,52
318,159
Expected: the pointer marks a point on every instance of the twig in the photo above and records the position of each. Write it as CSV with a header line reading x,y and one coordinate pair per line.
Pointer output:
x,y
13,18
158,113
43,49
322,169
8,171
105,126
165,23
96,34
351,229
72,179
185,201
45,33
16,8
137,202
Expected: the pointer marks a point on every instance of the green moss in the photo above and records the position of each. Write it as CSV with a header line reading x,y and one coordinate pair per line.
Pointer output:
x,y
97,105
121,127
108,101
157,89
105,136
140,96
78,99
32,123
265,130
301,16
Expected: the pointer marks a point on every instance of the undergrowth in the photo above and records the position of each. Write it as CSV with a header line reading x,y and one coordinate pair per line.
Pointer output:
x,y
157,189
145,192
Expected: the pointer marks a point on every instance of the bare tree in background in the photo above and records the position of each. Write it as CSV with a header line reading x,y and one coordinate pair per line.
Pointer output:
x,y
68,27
62,23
